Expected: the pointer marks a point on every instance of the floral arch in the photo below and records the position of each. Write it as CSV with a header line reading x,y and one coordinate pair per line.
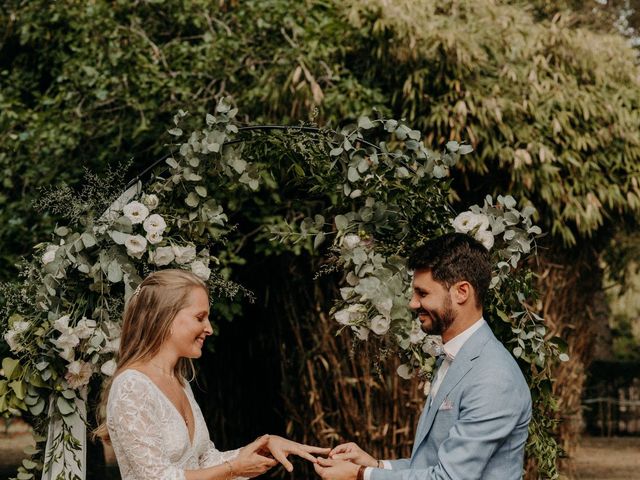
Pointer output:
x,y
362,197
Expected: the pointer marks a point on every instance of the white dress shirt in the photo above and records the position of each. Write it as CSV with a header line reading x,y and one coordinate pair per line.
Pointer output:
x,y
451,349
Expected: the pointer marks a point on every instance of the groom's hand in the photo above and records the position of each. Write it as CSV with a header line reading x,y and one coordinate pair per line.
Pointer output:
x,y
329,469
354,454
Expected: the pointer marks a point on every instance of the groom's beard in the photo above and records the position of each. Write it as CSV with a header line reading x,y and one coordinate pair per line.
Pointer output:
x,y
441,319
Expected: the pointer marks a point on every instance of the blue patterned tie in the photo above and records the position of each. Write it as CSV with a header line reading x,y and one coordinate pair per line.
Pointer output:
x,y
440,358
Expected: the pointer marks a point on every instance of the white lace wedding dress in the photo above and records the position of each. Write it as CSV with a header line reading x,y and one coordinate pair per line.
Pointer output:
x,y
149,436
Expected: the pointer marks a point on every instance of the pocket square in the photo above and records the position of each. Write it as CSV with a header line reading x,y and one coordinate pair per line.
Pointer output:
x,y
446,405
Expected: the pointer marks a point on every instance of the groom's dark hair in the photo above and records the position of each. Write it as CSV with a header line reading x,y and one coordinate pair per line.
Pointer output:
x,y
452,258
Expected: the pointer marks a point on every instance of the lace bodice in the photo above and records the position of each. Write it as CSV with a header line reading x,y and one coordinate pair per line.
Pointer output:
x,y
149,436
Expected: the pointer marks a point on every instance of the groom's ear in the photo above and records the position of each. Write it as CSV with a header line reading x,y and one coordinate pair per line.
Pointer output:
x,y
462,292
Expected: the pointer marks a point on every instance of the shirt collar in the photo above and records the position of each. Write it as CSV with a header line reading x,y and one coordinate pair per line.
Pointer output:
x,y
453,346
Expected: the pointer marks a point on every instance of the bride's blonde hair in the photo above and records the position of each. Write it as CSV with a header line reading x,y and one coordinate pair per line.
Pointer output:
x,y
146,324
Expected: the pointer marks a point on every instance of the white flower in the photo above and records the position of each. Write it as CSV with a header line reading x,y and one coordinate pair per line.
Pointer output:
x,y
351,241
485,238
185,254
154,238
136,245
66,340
21,326
49,254
136,212
416,335
467,221
404,371
432,346
201,270
362,332
151,201
78,373
62,324
108,368
85,328
67,354
11,338
162,256
154,224
350,315
380,325
343,317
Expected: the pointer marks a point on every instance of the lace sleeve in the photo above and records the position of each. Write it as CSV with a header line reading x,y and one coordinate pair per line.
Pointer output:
x,y
213,457
132,419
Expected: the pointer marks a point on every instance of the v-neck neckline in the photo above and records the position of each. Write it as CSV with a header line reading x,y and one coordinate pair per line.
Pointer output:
x,y
175,408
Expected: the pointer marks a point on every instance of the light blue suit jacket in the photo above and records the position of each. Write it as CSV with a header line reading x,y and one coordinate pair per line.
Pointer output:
x,y
477,425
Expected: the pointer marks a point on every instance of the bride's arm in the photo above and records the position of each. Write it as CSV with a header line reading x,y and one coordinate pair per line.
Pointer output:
x,y
247,464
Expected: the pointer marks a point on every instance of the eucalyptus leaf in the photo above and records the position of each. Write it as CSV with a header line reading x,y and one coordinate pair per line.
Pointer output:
x,y
192,199
64,406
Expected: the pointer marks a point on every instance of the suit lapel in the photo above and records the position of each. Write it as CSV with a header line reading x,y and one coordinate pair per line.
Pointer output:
x,y
457,370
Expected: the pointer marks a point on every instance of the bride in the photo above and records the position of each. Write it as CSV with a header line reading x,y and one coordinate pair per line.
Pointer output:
x,y
152,419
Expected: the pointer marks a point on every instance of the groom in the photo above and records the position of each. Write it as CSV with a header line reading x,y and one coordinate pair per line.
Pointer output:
x,y
475,420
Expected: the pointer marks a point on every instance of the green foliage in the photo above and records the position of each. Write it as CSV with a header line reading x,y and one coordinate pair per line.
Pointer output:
x,y
362,197
552,110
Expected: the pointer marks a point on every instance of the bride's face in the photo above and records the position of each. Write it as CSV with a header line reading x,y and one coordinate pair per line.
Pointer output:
x,y
191,325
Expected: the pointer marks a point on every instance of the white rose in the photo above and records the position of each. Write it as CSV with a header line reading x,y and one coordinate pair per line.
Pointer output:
x,y
136,212
483,221
201,270
380,325
154,238
343,317
185,254
78,373
108,368
66,341
21,326
351,241
11,338
151,201
49,254
162,256
154,224
362,333
485,238
467,221
85,328
404,371
136,245
62,324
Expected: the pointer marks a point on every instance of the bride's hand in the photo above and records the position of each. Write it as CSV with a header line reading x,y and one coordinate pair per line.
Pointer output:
x,y
281,448
249,462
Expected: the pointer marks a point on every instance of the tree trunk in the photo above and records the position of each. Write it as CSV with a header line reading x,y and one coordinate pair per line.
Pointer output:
x,y
575,309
